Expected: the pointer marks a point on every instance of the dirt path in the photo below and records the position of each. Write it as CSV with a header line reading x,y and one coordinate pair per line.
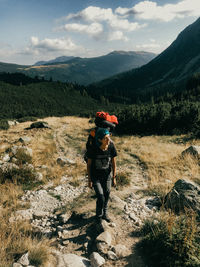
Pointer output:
x,y
81,226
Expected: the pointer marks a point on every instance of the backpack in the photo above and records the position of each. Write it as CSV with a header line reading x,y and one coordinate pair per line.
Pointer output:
x,y
102,120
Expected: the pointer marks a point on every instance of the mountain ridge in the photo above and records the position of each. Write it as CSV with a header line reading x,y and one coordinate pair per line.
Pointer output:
x,y
175,64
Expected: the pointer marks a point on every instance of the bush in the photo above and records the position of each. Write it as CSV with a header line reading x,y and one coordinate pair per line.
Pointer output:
x,y
22,157
123,179
27,118
4,125
19,176
171,242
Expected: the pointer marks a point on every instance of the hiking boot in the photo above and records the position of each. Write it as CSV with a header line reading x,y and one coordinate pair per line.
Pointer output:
x,y
106,218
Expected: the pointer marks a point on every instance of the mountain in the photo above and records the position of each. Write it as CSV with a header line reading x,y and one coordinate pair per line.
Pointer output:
x,y
88,70
56,60
172,67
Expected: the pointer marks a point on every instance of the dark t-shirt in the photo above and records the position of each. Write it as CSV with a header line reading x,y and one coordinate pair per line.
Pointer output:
x,y
101,160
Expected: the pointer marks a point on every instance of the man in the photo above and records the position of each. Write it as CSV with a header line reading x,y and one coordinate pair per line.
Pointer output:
x,y
101,168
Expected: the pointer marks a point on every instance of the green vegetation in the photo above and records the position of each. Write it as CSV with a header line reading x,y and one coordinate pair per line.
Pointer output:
x,y
171,242
4,124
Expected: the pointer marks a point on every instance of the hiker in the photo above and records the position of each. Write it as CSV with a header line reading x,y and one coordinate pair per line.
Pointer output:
x,y
101,168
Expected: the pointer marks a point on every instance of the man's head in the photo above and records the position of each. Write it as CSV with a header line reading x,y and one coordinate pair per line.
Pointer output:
x,y
102,136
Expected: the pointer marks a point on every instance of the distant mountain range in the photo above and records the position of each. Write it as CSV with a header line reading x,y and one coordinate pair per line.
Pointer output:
x,y
169,69
83,71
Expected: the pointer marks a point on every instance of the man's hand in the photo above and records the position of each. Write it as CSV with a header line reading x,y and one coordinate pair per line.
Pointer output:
x,y
90,184
114,181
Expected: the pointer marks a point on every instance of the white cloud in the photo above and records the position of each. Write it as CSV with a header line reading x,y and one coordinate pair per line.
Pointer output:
x,y
93,29
62,44
106,16
149,10
151,46
116,36
93,13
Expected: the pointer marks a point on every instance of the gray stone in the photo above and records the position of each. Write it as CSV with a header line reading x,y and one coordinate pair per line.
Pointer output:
x,y
192,150
6,158
105,237
72,260
111,255
120,250
117,201
12,123
184,194
16,264
25,149
64,161
103,247
24,259
25,140
96,259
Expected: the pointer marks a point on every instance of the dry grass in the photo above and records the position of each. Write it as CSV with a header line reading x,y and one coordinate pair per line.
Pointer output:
x,y
162,158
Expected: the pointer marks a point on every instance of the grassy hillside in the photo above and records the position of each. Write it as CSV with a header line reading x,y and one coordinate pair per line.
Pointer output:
x,y
152,165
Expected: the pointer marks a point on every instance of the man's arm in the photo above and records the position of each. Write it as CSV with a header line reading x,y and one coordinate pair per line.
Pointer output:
x,y
114,170
89,163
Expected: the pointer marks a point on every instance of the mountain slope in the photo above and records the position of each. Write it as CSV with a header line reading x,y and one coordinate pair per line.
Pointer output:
x,y
180,60
87,70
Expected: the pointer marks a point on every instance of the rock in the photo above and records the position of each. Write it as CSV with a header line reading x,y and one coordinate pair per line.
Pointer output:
x,y
103,247
12,123
111,255
39,124
39,176
72,260
64,161
117,201
105,237
16,264
120,250
192,150
6,158
25,140
38,214
26,150
65,217
24,259
184,194
96,260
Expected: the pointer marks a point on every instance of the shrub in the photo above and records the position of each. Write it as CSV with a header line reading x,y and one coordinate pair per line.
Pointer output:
x,y
4,125
123,179
22,157
171,242
19,176
27,118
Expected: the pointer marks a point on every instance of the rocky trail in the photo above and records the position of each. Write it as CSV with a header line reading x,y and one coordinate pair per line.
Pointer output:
x,y
65,212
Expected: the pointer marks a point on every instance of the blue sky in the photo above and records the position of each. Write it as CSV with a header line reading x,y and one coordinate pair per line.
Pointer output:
x,y
33,30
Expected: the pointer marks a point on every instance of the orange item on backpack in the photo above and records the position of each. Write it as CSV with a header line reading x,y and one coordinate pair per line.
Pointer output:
x,y
107,117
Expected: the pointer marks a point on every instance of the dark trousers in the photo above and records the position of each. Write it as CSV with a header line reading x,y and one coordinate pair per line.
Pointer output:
x,y
102,188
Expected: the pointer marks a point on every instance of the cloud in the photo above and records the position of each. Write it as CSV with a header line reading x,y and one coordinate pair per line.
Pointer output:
x,y
151,46
92,13
62,44
94,29
149,10
116,36
97,15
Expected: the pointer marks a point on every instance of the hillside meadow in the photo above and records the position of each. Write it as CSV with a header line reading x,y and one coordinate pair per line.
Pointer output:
x,y
159,158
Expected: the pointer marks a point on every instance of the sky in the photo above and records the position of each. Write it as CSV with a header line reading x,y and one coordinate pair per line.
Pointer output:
x,y
35,30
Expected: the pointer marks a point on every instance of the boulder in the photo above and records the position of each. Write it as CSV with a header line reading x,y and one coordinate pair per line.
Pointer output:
x,y
39,124
184,194
96,260
192,150
72,260
24,259
25,140
120,250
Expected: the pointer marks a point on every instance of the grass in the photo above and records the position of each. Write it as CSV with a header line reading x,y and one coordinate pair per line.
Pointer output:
x,y
171,241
